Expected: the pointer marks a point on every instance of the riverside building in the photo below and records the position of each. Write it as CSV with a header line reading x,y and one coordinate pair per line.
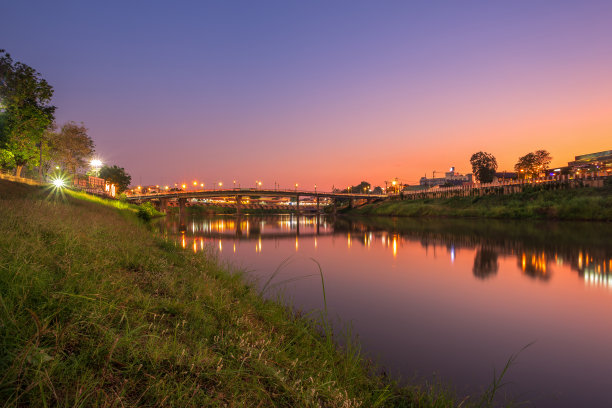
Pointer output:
x,y
451,177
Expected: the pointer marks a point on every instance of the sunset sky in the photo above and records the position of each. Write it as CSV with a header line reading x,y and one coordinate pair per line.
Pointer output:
x,y
321,92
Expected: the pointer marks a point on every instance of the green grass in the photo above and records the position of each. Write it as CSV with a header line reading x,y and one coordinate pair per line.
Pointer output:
x,y
533,203
97,310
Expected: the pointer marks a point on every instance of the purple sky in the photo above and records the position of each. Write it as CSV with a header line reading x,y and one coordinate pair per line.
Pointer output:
x,y
320,92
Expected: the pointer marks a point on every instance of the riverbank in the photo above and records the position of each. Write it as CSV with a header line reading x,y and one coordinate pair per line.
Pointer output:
x,y
96,310
533,203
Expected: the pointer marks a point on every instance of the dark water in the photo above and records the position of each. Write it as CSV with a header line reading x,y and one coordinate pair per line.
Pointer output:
x,y
450,299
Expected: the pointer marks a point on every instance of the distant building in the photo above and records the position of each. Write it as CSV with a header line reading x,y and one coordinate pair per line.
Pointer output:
x,y
599,160
451,177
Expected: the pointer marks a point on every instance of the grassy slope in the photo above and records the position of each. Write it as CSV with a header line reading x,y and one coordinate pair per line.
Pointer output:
x,y
575,204
95,310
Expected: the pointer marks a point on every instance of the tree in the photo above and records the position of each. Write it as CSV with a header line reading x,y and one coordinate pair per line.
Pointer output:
x,y
71,147
117,176
532,164
484,166
25,98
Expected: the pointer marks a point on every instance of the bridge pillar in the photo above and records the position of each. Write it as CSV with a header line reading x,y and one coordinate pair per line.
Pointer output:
x,y
351,203
163,205
182,204
297,205
317,205
334,206
238,205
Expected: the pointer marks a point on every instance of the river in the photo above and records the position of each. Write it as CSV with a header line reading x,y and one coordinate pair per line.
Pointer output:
x,y
445,300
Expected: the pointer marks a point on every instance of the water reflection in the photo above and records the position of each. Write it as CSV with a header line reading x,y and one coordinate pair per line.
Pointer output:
x,y
537,246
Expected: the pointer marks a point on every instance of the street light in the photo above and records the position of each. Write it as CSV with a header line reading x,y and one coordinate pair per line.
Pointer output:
x,y
220,184
315,188
96,164
296,186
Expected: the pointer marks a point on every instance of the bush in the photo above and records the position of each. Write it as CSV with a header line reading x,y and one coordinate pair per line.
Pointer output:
x,y
146,211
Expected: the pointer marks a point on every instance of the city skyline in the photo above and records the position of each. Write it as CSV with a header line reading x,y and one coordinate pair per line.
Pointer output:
x,y
317,93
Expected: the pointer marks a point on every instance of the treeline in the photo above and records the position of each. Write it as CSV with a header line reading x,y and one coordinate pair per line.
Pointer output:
x,y
29,136
484,165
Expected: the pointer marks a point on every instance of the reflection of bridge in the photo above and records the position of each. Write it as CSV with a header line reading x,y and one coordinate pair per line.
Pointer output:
x,y
238,194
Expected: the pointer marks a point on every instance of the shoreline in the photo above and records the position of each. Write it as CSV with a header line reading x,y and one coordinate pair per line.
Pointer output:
x,y
584,204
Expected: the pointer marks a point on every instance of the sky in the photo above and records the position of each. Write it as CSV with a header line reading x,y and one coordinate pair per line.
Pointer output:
x,y
321,92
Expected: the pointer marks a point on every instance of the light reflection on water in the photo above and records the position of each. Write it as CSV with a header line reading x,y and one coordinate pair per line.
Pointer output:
x,y
595,268
455,297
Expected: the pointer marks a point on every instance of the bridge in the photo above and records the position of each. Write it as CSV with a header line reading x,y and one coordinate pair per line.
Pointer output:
x,y
163,198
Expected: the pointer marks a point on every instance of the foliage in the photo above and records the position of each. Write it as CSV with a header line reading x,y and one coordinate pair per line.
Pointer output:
x,y
146,211
117,176
7,160
484,166
25,97
532,164
71,147
360,188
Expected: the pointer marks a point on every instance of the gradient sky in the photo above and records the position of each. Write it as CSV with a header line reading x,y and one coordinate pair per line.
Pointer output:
x,y
325,92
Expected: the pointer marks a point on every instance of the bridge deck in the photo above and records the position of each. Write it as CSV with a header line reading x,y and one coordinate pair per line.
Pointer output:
x,y
251,192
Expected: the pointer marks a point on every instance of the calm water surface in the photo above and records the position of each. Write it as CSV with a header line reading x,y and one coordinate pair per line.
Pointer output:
x,y
450,299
